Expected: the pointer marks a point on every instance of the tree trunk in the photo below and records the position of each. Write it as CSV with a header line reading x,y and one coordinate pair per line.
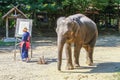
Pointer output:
x,y
119,25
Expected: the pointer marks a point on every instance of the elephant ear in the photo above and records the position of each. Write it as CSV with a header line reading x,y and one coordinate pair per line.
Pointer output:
x,y
70,24
76,28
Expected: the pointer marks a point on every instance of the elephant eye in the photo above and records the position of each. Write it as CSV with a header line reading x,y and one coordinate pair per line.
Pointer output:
x,y
68,37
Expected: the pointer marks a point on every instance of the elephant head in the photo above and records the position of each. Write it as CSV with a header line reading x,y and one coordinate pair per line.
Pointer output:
x,y
66,30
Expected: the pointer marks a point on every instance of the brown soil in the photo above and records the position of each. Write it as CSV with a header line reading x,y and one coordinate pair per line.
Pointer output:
x,y
106,62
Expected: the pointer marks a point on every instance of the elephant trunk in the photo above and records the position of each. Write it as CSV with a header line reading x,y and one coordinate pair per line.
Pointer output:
x,y
60,44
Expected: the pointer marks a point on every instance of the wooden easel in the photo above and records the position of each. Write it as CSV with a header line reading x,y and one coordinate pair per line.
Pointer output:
x,y
18,33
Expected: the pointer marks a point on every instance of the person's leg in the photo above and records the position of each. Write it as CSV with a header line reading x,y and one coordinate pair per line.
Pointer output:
x,y
23,52
26,55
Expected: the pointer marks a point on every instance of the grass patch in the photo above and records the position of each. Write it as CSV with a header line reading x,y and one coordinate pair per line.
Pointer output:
x,y
6,43
117,75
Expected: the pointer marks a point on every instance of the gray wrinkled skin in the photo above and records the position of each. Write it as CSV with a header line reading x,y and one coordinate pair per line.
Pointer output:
x,y
81,31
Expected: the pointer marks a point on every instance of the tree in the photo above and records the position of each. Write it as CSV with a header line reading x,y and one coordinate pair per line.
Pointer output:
x,y
74,6
54,7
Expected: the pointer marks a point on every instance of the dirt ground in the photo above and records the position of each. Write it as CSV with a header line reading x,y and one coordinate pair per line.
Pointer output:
x,y
106,62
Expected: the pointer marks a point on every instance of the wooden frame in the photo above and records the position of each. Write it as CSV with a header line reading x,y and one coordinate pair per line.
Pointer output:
x,y
12,13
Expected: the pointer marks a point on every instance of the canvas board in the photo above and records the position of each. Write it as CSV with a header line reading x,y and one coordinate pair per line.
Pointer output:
x,y
21,24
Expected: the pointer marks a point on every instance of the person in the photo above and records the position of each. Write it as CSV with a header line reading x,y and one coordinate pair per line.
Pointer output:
x,y
25,45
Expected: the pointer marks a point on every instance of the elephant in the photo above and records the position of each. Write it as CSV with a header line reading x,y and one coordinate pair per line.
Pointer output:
x,y
80,31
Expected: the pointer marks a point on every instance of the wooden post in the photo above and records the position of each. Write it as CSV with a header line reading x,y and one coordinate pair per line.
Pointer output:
x,y
119,25
31,46
6,27
15,49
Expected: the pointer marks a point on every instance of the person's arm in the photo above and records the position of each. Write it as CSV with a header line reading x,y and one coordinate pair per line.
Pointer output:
x,y
23,38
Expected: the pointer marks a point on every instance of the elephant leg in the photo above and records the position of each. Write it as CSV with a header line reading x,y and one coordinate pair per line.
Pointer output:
x,y
89,55
69,65
77,48
89,49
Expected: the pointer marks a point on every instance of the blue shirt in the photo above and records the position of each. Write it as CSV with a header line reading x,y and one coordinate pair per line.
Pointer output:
x,y
25,36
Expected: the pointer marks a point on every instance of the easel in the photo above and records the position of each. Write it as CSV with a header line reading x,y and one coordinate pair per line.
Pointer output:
x,y
18,33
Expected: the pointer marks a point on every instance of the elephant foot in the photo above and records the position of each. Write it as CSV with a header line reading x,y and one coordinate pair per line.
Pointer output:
x,y
59,69
76,65
89,63
69,67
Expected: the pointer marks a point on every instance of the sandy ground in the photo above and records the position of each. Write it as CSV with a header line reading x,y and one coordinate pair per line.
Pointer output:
x,y
106,62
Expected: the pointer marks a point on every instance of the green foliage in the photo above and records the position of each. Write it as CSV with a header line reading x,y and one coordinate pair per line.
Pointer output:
x,y
101,4
54,5
61,7
71,6
74,6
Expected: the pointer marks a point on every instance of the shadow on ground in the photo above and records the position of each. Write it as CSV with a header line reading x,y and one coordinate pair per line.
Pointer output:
x,y
108,41
109,67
